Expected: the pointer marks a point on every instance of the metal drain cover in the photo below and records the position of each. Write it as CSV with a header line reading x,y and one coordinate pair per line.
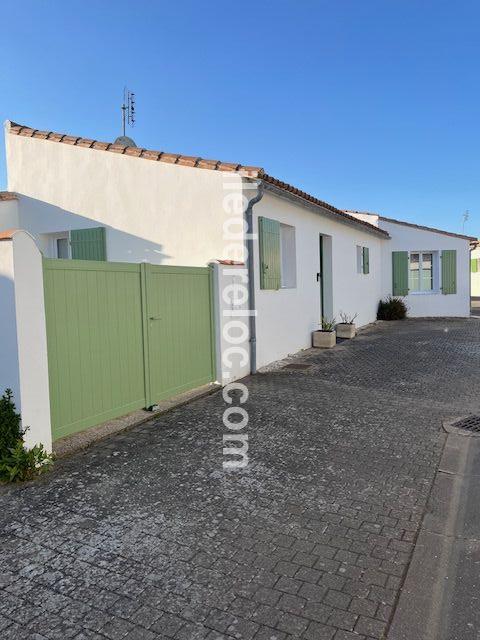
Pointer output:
x,y
470,423
297,365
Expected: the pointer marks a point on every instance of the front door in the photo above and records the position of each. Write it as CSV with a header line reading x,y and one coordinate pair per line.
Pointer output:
x,y
320,276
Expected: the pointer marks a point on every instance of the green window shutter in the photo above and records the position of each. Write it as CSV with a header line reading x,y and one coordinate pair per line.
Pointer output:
x,y
269,244
366,260
400,273
449,271
474,265
88,244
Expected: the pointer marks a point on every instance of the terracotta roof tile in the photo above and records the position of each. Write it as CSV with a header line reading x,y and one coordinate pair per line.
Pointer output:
x,y
54,137
207,164
70,139
8,195
117,148
150,155
423,228
171,158
85,142
133,151
26,131
188,161
191,161
43,135
306,196
415,226
100,146
8,234
228,166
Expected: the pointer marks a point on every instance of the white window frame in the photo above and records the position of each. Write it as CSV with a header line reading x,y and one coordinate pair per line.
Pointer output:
x,y
61,235
436,273
288,274
359,259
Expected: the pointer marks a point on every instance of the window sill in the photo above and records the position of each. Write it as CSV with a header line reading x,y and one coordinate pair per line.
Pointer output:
x,y
424,293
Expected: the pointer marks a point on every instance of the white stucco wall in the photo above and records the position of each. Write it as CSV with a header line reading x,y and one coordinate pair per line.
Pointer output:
x,y
475,277
9,215
152,211
32,340
287,317
9,377
406,238
24,362
232,340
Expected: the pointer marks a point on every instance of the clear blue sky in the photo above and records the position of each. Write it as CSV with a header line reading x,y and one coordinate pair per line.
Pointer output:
x,y
367,104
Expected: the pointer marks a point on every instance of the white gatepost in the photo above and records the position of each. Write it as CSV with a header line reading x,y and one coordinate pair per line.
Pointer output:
x,y
9,377
231,321
23,321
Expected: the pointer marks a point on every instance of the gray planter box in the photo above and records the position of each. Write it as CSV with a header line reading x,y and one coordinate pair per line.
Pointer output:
x,y
324,339
346,330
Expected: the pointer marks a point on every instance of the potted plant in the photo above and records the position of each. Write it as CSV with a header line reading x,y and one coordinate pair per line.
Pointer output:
x,y
326,336
346,328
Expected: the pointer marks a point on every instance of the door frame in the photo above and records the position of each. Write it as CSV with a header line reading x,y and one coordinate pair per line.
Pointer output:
x,y
325,276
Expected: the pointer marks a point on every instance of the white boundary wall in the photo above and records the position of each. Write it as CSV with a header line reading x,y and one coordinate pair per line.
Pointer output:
x,y
27,364
233,357
9,377
475,277
9,215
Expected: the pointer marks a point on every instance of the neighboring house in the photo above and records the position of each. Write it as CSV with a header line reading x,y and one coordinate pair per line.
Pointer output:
x,y
427,267
88,200
475,268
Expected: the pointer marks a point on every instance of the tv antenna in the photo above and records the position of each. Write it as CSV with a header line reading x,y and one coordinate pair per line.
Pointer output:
x,y
128,109
465,218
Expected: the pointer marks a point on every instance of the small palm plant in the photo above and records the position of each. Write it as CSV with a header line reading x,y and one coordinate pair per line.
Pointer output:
x,y
346,318
326,324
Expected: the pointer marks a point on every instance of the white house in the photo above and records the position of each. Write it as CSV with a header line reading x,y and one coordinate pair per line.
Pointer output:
x,y
84,199
475,268
425,266
170,209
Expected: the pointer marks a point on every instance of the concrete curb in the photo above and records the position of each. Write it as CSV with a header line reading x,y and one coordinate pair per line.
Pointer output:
x,y
439,598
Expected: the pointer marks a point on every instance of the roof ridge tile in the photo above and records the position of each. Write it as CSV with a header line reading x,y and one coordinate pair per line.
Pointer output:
x,y
190,161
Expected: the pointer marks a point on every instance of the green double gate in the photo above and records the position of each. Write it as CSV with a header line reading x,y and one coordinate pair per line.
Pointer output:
x,y
123,336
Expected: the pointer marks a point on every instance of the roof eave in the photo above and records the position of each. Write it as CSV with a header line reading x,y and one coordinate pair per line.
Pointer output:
x,y
323,208
7,196
421,227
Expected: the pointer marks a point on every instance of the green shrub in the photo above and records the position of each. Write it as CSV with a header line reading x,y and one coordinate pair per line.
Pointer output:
x,y
24,464
10,430
18,463
392,309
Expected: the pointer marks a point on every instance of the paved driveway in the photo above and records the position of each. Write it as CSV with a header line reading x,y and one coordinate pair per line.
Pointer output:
x,y
475,306
144,536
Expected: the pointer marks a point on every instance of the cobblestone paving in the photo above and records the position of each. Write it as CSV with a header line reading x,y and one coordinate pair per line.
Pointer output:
x,y
145,537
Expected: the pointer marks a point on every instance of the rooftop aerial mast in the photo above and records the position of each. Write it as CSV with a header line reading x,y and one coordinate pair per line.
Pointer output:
x,y
128,109
128,118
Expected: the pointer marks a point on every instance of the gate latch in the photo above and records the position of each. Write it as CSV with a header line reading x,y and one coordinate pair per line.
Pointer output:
x,y
155,318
